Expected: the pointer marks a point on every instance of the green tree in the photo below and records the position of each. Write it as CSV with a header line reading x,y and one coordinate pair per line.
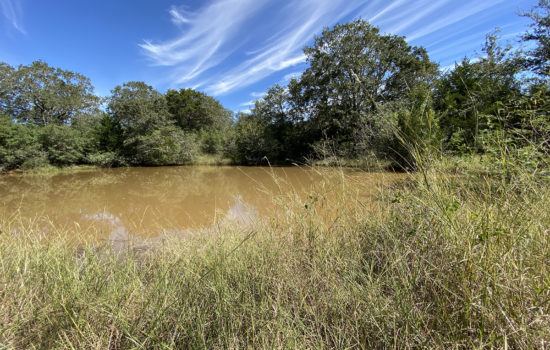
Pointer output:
x,y
473,90
19,145
283,126
251,145
138,110
41,94
539,58
148,135
193,110
165,146
196,112
7,89
64,145
353,70
418,134
109,134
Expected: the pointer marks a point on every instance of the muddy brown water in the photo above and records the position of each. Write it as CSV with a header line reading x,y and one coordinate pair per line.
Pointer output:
x,y
149,201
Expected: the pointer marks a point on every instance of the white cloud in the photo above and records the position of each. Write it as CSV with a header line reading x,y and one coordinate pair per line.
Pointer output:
x,y
458,14
179,16
11,10
383,11
205,37
247,104
252,71
258,94
415,11
304,20
230,44
294,75
213,33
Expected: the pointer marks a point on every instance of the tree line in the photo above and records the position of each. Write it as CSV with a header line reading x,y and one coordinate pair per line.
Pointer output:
x,y
364,94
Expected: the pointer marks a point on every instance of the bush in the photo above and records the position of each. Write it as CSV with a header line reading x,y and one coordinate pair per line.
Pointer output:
x,y
106,159
164,146
63,144
19,146
212,141
251,146
418,134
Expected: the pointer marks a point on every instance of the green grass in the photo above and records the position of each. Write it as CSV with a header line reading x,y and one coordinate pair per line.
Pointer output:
x,y
211,159
53,170
366,163
440,261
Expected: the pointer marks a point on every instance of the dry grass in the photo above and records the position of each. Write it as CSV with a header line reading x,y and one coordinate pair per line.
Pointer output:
x,y
440,261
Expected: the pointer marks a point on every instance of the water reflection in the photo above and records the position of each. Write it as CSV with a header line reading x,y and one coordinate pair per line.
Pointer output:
x,y
146,202
239,214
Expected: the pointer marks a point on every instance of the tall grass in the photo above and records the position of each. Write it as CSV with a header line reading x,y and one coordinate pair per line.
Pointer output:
x,y
438,260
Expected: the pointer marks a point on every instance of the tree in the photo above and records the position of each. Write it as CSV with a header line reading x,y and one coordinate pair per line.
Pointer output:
x,y
64,145
7,88
193,110
19,146
148,133
418,134
473,90
353,70
41,94
251,144
539,58
282,125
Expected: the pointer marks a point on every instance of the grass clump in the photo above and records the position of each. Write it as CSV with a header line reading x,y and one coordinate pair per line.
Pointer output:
x,y
436,261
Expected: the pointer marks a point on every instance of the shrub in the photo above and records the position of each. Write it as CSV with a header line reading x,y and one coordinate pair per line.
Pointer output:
x,y
19,145
164,146
106,159
63,144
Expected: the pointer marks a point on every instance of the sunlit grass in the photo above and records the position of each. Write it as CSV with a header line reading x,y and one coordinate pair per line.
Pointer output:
x,y
436,261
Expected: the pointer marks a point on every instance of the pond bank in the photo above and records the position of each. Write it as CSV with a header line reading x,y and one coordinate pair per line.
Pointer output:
x,y
437,262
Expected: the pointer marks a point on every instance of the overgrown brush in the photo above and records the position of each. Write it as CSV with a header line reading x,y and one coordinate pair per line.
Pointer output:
x,y
437,261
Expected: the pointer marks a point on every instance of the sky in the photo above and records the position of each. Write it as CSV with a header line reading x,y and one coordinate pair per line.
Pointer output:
x,y
233,50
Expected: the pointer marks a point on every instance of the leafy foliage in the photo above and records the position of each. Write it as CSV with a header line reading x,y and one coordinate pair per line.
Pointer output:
x,y
539,58
19,146
43,95
418,134
193,110
64,145
353,70
364,95
149,136
467,95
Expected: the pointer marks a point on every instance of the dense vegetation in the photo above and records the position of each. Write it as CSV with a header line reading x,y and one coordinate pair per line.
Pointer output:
x,y
449,258
455,256
365,95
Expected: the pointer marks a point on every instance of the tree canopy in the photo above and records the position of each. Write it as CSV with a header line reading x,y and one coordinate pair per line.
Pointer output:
x,y
194,110
43,95
354,69
539,58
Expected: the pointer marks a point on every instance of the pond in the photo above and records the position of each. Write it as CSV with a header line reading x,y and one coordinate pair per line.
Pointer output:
x,y
149,201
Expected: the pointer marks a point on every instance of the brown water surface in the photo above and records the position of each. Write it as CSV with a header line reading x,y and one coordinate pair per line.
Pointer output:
x,y
149,201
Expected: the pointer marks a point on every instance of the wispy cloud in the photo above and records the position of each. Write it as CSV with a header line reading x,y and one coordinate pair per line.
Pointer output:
x,y
12,12
258,94
304,19
409,14
458,14
248,103
227,45
205,37
212,34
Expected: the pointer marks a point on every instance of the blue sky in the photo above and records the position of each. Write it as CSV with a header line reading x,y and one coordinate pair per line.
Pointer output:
x,y
231,49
